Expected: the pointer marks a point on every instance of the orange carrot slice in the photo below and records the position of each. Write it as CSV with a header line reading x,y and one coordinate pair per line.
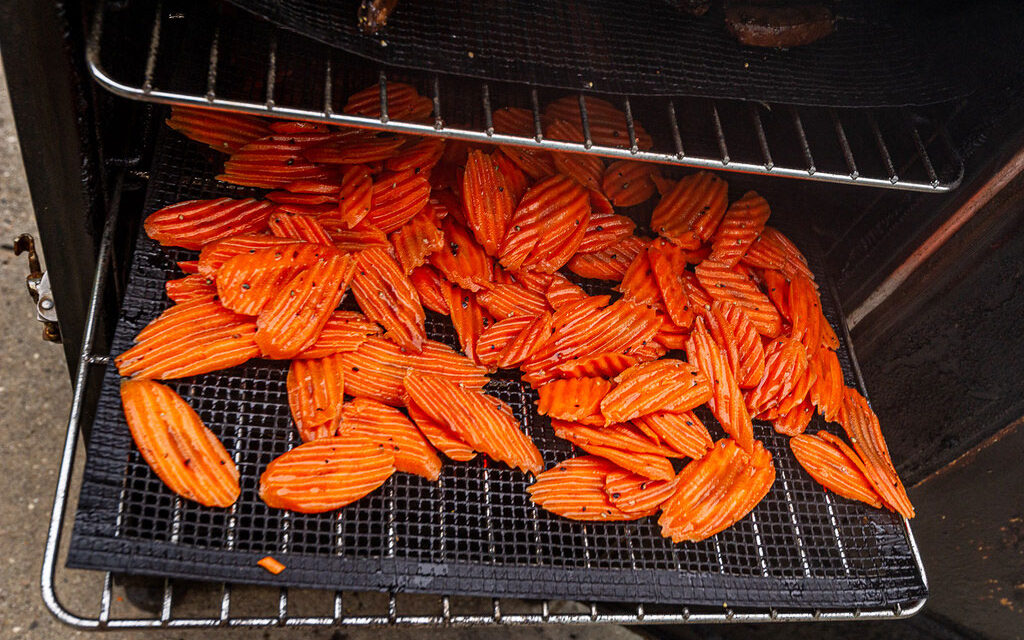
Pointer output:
x,y
663,385
467,317
610,263
386,295
805,312
190,287
316,387
440,436
355,197
547,226
180,450
461,260
343,331
683,432
628,183
696,203
826,393
427,283
527,342
326,474
487,201
507,300
221,131
833,468
194,223
785,363
388,426
298,227
535,163
404,102
743,223
777,287
561,292
773,250
735,334
420,155
397,197
573,399
795,421
213,256
726,401
599,365
248,281
605,230
634,493
619,448
516,179
639,284
607,124
861,426
497,336
667,265
272,565
274,161
574,489
731,284
585,169
416,240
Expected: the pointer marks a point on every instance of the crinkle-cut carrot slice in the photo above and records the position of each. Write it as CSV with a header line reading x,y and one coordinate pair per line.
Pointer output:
x,y
670,335
353,147
861,426
386,295
343,331
562,291
486,200
285,196
573,399
213,256
195,223
610,263
639,284
316,389
667,266
599,204
535,163
634,493
507,300
574,489
826,393
271,564
397,197
516,180
601,365
188,339
587,329
419,155
526,343
363,236
485,423
221,131
650,387
732,329
773,250
698,296
189,267
626,437
328,187
404,102
440,436
190,287
683,432
834,468
275,161
292,320
616,448
428,285
375,370
355,197
662,184
628,183
607,123
326,474
743,223
733,285
547,226
468,317
461,260
297,126
785,361
388,426
248,281
416,240
649,351
585,169
605,230
696,203
717,491
796,396
298,227
497,336
177,446
805,312
532,281
763,255
726,401
306,210
777,287
796,420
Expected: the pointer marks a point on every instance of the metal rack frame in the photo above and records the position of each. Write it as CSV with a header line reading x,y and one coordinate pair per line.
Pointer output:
x,y
448,609
852,173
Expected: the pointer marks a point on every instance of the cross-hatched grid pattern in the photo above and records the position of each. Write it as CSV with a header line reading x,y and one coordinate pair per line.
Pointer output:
x,y
474,531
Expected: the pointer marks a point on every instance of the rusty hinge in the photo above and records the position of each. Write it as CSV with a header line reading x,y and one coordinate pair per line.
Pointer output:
x,y
38,283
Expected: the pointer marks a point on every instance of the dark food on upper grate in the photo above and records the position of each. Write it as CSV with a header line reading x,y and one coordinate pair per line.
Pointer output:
x,y
481,235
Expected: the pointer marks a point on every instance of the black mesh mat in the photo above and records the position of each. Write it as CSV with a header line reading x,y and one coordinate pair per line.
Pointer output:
x,y
882,53
474,532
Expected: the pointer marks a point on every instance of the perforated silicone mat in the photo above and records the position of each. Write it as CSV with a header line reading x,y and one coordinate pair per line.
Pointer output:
x,y
473,532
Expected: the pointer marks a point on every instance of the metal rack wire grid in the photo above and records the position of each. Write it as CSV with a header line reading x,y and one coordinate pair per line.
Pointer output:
x,y
196,56
474,532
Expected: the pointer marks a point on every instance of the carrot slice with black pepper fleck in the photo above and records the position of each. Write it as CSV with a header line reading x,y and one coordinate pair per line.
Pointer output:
x,y
416,240
785,363
639,285
419,155
427,283
343,331
440,436
316,389
794,422
628,183
610,263
626,447
461,260
732,284
601,365
213,256
726,401
190,287
221,131
396,198
298,227
527,342
606,122
574,489
386,295
404,102
743,223
683,432
634,493
248,281
834,468
195,223
696,203
573,399
355,197
777,287
735,334
585,169
667,265
507,300
651,387
497,336
467,317
826,393
605,230
386,425
487,201
547,226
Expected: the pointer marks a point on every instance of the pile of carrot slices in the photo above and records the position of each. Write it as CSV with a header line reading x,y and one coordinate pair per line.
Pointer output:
x,y
491,238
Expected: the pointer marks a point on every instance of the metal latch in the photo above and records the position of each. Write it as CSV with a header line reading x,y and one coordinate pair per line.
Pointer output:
x,y
38,283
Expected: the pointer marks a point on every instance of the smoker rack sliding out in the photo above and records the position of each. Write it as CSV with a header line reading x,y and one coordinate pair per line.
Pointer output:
x,y
444,610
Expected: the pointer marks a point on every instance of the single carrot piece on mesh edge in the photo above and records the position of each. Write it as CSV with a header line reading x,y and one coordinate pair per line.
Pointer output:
x,y
715,492
386,295
376,369
861,426
610,263
487,201
726,400
785,363
292,320
224,132
527,342
416,240
485,423
194,223
190,287
605,230
316,389
574,489
834,468
247,282
440,436
547,226
427,283
173,441
628,183
683,432
497,336
194,337
743,223
732,284
607,123
573,399
343,331
326,474
386,425
696,203
634,493
271,564
663,385
461,260
467,317
585,169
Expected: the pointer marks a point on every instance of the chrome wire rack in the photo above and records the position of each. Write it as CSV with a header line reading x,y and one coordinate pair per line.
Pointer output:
x,y
202,55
